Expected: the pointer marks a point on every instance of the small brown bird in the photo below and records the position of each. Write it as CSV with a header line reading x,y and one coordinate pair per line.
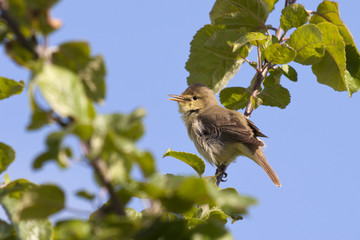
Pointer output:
x,y
220,134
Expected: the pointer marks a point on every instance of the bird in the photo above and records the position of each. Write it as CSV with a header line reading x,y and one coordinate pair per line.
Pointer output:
x,y
220,135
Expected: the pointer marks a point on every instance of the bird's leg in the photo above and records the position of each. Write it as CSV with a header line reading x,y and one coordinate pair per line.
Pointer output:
x,y
220,173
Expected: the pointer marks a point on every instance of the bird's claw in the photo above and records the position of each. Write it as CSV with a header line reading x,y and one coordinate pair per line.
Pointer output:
x,y
220,174
224,176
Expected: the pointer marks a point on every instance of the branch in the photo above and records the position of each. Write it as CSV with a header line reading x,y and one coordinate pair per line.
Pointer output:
x,y
5,14
115,202
260,76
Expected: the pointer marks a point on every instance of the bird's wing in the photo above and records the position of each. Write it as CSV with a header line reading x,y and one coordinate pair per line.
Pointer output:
x,y
230,125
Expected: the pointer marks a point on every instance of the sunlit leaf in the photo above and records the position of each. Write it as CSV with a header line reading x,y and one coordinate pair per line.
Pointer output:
x,y
212,61
235,97
41,202
307,42
279,53
11,198
7,156
63,90
328,11
232,203
74,229
217,216
248,14
293,15
331,69
10,87
191,159
271,4
252,37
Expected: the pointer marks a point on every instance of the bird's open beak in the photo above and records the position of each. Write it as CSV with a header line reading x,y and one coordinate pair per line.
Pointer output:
x,y
177,98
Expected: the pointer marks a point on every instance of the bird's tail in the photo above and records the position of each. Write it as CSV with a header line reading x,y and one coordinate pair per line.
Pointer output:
x,y
260,159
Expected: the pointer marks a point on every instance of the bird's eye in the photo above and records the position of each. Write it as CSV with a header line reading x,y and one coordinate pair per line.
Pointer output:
x,y
195,97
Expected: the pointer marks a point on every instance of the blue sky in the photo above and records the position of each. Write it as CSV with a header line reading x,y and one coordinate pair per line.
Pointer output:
x,y
313,144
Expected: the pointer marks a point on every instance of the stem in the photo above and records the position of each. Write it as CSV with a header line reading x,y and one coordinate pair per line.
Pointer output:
x,y
96,164
5,14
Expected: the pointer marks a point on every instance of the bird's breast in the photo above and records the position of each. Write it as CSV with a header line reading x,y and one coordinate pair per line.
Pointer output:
x,y
207,142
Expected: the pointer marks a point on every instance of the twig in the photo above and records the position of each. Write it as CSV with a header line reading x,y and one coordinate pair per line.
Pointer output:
x,y
115,202
260,76
259,57
14,26
247,60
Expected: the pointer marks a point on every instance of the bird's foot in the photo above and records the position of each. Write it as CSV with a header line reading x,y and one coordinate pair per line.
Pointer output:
x,y
221,174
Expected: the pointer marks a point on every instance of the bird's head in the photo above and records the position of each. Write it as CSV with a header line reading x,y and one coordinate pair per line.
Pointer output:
x,y
195,98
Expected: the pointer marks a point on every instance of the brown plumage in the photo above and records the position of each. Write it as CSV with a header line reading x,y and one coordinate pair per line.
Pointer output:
x,y
220,134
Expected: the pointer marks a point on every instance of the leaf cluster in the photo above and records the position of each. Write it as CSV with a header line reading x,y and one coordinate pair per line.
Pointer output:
x,y
66,88
319,38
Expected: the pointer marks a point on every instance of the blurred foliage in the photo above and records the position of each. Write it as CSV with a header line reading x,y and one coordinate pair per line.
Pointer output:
x,y
71,81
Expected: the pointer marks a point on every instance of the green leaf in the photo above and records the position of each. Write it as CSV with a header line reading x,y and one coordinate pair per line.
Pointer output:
x,y
38,120
273,78
331,69
232,203
83,131
7,156
158,229
235,97
248,14
146,163
74,56
10,87
11,198
329,12
53,152
41,202
64,92
288,72
353,60
129,126
307,41
217,216
74,229
191,159
195,190
210,230
251,37
271,4
93,77
3,30
353,84
293,15
5,230
275,96
85,195
212,61
279,53
19,54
